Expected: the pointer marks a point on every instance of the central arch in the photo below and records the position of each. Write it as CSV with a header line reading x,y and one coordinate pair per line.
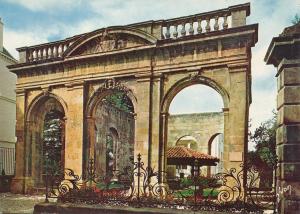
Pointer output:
x,y
110,129
171,93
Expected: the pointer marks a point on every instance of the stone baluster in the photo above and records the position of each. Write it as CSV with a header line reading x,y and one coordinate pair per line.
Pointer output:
x,y
191,30
183,31
199,28
30,57
47,52
51,52
216,25
59,50
207,27
41,53
168,34
37,51
175,33
55,51
65,47
33,55
225,23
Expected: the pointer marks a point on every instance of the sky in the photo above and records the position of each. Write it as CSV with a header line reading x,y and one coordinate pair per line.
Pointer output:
x,y
30,22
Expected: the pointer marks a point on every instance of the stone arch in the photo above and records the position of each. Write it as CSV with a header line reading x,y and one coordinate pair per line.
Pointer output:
x,y
35,116
172,92
189,81
95,149
210,142
220,164
193,140
105,90
147,38
38,100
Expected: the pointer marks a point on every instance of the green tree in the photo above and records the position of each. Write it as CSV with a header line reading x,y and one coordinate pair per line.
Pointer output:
x,y
264,156
52,141
121,101
296,19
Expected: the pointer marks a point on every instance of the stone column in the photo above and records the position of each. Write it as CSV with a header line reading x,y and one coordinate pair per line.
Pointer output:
x,y
284,53
142,120
164,139
74,128
18,184
156,100
236,119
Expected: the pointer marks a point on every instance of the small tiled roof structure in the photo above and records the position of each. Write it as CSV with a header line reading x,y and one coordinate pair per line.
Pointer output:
x,y
180,155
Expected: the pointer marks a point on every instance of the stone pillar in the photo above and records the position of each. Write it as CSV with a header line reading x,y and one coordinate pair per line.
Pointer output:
x,y
235,138
74,128
18,184
284,53
156,85
164,139
142,120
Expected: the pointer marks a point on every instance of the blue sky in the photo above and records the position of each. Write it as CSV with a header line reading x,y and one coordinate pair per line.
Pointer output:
x,y
29,22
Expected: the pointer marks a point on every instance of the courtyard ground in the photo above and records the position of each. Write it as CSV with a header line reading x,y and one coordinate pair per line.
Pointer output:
x,y
17,203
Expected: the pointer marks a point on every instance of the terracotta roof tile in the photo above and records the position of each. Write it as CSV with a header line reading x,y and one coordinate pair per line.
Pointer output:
x,y
184,152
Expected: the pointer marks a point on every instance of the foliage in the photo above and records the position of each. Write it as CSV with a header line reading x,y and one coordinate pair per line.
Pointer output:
x,y
264,157
52,143
201,181
121,101
296,19
207,192
110,185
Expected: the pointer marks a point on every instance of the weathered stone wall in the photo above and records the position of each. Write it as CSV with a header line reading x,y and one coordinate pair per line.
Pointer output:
x,y
201,126
109,117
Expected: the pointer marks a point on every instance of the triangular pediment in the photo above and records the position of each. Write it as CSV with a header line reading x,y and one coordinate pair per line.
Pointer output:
x,y
110,40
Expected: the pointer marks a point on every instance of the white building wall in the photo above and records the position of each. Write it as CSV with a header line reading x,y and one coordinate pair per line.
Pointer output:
x,y
7,110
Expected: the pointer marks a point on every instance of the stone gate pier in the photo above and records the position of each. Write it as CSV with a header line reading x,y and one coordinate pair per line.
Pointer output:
x,y
284,54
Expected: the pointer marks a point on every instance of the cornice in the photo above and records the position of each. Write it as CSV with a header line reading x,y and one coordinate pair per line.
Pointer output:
x,y
248,30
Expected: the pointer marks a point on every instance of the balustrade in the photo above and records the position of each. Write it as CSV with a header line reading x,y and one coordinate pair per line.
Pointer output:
x,y
47,51
234,16
196,24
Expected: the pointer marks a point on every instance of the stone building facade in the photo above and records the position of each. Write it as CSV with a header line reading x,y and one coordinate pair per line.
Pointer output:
x,y
7,110
151,62
284,54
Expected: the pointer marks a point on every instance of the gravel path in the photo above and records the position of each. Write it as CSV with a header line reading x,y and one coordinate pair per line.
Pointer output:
x,y
17,203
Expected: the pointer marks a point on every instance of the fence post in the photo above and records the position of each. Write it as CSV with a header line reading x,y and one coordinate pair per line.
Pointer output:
x,y
139,176
47,200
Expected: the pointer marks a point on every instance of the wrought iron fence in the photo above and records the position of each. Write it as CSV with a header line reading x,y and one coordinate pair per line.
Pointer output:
x,y
141,186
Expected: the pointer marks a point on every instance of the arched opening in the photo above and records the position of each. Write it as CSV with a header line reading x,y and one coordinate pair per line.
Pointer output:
x,y
187,141
114,129
196,113
216,149
45,138
53,141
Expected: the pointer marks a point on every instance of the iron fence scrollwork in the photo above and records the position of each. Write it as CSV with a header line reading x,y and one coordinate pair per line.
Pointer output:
x,y
141,186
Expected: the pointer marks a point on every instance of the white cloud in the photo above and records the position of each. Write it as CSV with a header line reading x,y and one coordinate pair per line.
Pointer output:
x,y
14,39
46,5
